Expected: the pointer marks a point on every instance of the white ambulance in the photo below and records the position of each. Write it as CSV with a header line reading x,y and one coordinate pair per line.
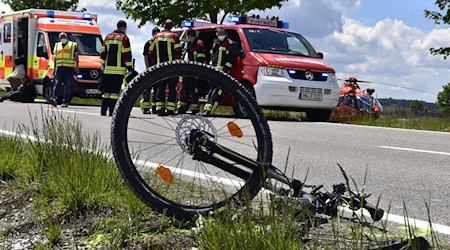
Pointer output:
x,y
31,34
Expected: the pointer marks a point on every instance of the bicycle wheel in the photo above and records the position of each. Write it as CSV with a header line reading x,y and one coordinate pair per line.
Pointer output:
x,y
162,161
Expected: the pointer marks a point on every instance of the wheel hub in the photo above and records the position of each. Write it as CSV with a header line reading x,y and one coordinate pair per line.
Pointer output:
x,y
190,123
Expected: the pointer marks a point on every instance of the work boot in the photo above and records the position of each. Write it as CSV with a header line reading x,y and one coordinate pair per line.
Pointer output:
x,y
170,112
146,111
54,102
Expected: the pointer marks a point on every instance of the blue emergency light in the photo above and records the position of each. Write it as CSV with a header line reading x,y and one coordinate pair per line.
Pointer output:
x,y
50,13
234,19
187,24
87,16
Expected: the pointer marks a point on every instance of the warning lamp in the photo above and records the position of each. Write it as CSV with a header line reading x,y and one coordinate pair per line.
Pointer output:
x,y
187,24
87,16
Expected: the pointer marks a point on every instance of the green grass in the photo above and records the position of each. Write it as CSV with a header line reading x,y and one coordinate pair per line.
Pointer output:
x,y
69,175
420,123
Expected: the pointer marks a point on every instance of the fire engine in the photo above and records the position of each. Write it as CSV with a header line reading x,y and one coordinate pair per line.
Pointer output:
x,y
31,34
279,67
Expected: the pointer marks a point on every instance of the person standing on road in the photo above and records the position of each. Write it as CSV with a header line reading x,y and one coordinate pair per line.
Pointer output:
x,y
65,65
196,52
166,47
116,60
145,102
223,54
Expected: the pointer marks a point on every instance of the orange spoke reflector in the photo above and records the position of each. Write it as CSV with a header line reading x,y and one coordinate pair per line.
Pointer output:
x,y
235,130
165,174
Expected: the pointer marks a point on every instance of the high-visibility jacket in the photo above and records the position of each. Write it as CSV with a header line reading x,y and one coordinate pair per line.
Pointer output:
x,y
223,54
196,51
165,47
65,54
116,53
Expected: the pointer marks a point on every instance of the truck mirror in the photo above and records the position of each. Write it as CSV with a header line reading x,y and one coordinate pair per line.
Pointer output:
x,y
320,55
41,52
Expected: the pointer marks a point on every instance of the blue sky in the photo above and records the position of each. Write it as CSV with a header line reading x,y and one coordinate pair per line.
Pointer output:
x,y
384,41
410,11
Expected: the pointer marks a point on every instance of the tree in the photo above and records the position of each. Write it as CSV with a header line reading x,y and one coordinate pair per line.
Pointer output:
x,y
443,99
442,16
416,106
177,10
42,4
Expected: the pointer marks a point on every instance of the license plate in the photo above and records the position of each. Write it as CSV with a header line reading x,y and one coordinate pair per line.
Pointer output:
x,y
92,92
310,96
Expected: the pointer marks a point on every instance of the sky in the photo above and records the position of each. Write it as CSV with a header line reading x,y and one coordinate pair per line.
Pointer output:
x,y
382,41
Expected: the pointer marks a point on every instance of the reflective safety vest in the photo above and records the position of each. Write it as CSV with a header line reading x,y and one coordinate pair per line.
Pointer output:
x,y
165,47
196,51
116,54
223,54
65,55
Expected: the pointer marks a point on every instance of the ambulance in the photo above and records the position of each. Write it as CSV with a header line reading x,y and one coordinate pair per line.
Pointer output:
x,y
31,34
279,66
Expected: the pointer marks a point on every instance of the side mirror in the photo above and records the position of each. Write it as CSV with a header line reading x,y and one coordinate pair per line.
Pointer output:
x,y
320,55
40,52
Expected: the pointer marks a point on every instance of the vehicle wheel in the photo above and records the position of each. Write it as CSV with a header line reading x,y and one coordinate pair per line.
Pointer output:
x,y
154,154
239,109
318,115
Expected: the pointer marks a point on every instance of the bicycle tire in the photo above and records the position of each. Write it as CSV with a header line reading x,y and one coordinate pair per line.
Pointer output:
x,y
124,161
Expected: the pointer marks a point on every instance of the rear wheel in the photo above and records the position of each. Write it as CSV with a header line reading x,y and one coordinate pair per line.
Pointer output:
x,y
155,155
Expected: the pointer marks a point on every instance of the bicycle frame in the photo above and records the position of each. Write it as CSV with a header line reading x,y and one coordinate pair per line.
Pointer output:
x,y
204,149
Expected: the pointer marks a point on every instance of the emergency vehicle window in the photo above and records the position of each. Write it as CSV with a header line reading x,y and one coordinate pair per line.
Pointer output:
x,y
7,33
278,42
88,44
41,48
295,45
207,36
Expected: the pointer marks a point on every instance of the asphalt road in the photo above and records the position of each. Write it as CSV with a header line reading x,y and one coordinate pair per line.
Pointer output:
x,y
408,165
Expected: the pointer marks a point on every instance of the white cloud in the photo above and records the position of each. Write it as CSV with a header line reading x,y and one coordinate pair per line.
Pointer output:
x,y
4,8
389,52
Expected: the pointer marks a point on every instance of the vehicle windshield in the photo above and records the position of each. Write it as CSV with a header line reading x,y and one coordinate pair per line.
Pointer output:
x,y
278,42
88,44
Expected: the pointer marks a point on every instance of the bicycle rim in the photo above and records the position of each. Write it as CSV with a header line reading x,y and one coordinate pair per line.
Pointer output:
x,y
153,157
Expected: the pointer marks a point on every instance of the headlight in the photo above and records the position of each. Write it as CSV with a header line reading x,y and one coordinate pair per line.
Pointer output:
x,y
269,71
332,77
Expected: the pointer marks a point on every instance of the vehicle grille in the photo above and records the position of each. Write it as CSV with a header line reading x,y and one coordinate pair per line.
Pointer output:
x,y
311,90
86,73
301,75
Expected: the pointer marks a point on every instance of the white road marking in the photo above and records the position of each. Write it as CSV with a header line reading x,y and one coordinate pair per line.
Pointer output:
x,y
385,128
78,112
387,217
437,228
416,150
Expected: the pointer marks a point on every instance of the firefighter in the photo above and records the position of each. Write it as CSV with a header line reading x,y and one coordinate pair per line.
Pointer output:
x,y
223,54
189,92
166,47
145,102
116,61
65,65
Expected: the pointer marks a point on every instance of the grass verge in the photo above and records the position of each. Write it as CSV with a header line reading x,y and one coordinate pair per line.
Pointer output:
x,y
69,194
